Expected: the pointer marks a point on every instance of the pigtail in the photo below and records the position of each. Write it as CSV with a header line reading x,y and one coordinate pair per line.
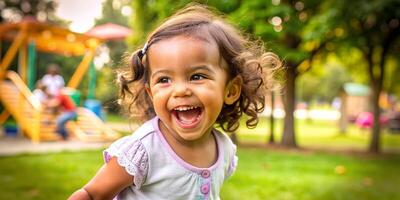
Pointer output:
x,y
137,66
132,83
137,72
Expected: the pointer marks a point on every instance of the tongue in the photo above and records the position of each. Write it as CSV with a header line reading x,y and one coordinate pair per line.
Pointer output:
x,y
188,116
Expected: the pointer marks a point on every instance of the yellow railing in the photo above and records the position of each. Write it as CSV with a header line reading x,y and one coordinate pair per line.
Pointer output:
x,y
88,127
31,128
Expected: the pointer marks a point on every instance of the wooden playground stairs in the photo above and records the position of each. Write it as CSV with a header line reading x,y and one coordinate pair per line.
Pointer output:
x,y
40,125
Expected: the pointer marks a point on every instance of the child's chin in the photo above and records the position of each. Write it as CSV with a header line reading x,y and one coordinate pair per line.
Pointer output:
x,y
190,136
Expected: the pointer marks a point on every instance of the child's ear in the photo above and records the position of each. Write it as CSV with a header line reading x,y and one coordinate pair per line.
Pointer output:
x,y
233,90
148,90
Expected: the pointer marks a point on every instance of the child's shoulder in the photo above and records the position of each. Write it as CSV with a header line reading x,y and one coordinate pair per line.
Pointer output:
x,y
140,133
225,142
223,137
144,130
139,136
136,143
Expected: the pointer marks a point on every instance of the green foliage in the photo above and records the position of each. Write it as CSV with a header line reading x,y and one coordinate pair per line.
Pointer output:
x,y
373,30
112,14
332,82
148,14
286,27
300,31
322,85
392,74
107,91
354,62
307,87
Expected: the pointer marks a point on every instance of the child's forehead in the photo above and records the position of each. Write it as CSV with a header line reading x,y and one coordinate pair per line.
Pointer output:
x,y
184,51
185,45
192,38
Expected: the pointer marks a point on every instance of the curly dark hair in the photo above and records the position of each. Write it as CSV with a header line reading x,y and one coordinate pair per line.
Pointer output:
x,y
244,58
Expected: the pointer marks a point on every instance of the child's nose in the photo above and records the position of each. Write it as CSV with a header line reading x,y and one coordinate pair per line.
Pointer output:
x,y
181,89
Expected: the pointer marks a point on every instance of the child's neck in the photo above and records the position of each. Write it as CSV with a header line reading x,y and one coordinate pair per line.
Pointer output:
x,y
201,153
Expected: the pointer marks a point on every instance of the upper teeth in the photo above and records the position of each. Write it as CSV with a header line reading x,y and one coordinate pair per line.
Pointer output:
x,y
184,108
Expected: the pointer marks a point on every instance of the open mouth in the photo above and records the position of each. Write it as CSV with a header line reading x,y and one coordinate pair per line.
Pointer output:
x,y
187,116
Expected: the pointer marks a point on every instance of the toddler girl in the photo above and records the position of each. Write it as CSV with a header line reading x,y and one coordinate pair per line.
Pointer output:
x,y
194,71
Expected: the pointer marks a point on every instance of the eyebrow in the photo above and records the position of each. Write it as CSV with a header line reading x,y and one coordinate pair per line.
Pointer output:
x,y
202,67
192,68
160,72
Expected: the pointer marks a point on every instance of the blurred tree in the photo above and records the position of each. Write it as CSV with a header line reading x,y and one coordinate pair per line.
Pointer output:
x,y
308,87
147,15
15,10
393,72
332,81
117,12
323,83
373,28
297,31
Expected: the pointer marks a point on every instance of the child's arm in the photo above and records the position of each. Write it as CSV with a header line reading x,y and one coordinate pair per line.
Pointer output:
x,y
106,184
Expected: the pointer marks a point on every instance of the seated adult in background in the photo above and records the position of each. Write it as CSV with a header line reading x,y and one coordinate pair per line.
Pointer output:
x,y
67,109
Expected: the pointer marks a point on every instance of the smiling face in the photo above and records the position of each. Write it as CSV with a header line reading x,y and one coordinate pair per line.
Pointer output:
x,y
188,86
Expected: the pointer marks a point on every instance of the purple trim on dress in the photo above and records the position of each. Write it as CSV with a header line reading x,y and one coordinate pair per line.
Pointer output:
x,y
106,157
179,160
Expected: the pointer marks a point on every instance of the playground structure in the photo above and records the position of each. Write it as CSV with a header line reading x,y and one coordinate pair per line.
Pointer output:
x,y
27,37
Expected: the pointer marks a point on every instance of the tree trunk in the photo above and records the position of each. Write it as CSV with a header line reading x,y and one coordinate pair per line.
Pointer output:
x,y
271,119
376,85
375,137
288,137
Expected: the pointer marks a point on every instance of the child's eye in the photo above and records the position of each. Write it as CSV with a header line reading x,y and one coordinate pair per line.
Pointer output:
x,y
164,80
196,77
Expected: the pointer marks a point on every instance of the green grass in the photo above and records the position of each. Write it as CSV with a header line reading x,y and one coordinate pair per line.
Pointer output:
x,y
46,176
320,134
309,176
261,174
113,117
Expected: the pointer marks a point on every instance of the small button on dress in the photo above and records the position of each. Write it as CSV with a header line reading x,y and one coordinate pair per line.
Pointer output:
x,y
205,188
205,173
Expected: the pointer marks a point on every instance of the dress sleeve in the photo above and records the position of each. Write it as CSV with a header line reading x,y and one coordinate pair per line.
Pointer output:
x,y
131,154
233,160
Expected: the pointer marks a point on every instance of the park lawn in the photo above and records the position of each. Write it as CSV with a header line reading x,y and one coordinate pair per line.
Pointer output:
x,y
120,118
320,134
261,174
